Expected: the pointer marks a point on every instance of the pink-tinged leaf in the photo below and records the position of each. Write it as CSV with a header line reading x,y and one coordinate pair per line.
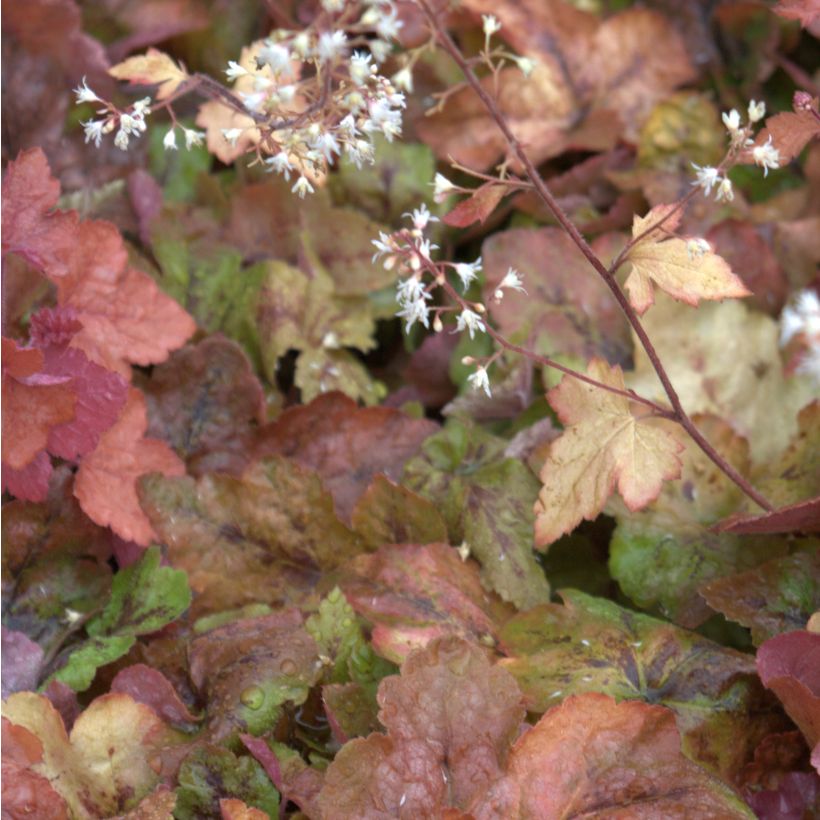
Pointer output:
x,y
477,207
29,194
806,11
801,517
789,665
603,446
795,797
22,659
790,132
686,274
450,717
296,780
31,482
149,686
413,594
593,757
345,444
64,699
106,481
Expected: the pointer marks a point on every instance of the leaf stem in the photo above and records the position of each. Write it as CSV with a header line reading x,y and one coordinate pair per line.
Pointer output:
x,y
678,413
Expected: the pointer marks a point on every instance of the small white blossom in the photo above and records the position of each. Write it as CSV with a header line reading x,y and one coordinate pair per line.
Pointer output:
x,y
94,131
132,125
360,68
169,142
231,135
276,57
803,317
360,152
767,156
757,110
526,65
192,137
422,253
384,244
280,163
470,320
85,94
480,380
707,177
285,93
442,188
333,6
380,49
403,79
411,290
331,45
253,102
731,121
235,71
301,45
697,247
326,144
141,108
302,187
725,192
383,118
467,272
415,311
388,26
512,279
347,127
421,217
121,140
490,24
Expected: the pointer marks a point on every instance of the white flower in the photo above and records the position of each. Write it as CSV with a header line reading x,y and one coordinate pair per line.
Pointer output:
x,y
415,311
731,121
121,140
442,188
326,144
235,71
526,65
141,108
301,44
169,142
85,94
331,44
512,279
231,135
380,49
803,317
707,177
193,137
757,110
421,217
421,253
276,56
360,68
93,131
480,380
490,24
467,272
347,127
255,101
383,118
302,187
280,163
411,290
767,156
403,79
388,26
131,125
286,93
359,152
333,6
725,192
697,247
384,244
471,320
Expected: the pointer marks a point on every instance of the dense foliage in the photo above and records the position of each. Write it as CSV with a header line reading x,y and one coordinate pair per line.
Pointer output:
x,y
421,422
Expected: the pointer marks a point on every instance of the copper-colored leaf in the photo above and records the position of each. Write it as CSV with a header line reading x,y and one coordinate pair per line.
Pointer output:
x,y
477,207
152,68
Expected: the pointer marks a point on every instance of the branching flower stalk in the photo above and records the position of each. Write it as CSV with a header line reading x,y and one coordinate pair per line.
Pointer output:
x,y
766,158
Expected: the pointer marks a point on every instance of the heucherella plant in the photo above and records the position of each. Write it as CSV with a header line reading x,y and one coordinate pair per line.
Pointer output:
x,y
300,100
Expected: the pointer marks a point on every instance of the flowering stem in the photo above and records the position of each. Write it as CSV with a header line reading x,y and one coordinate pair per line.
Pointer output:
x,y
678,413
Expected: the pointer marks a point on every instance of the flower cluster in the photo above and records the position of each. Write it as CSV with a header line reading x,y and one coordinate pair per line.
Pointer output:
x,y
410,253
301,99
765,155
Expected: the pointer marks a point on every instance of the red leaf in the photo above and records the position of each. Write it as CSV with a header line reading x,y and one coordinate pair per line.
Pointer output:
x,y
149,686
477,207
30,483
801,517
106,481
789,665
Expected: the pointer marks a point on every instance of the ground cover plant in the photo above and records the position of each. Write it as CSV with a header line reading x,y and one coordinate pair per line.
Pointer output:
x,y
411,409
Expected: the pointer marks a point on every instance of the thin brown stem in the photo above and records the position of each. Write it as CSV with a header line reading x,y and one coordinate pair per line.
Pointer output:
x,y
679,414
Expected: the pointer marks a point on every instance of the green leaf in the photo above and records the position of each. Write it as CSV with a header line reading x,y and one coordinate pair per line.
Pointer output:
x,y
210,773
176,171
144,598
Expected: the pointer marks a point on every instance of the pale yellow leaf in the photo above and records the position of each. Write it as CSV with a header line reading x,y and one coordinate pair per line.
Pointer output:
x,y
153,68
603,446
676,266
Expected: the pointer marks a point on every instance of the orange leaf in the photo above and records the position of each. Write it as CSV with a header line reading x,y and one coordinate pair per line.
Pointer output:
x,y
685,272
480,204
233,809
153,68
106,481
603,445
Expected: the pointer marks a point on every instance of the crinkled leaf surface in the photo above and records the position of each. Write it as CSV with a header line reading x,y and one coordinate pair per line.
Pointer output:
x,y
594,757
593,645
778,596
663,554
264,537
104,765
666,261
345,444
450,717
603,446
